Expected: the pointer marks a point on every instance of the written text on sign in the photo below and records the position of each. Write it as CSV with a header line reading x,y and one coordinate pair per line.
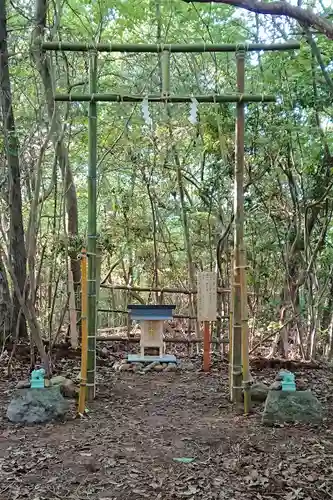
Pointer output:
x,y
207,289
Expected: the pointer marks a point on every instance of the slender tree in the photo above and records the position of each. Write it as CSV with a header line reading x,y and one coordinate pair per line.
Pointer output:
x,y
17,249
44,68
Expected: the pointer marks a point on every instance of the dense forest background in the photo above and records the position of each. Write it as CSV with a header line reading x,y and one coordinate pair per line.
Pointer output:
x,y
165,193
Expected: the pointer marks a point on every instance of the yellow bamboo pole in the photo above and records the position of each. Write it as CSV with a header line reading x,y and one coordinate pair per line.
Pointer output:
x,y
84,327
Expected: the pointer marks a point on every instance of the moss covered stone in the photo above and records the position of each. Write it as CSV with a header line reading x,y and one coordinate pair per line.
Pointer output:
x,y
291,407
259,392
35,406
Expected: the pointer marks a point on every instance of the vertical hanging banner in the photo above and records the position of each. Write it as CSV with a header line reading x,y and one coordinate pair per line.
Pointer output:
x,y
207,294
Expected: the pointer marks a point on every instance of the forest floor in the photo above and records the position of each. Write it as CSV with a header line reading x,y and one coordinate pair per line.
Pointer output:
x,y
138,425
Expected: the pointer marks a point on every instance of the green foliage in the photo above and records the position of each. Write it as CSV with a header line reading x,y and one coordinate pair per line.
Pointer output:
x,y
140,211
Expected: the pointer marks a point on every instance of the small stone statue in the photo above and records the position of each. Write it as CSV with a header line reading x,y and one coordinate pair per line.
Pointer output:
x,y
37,378
288,381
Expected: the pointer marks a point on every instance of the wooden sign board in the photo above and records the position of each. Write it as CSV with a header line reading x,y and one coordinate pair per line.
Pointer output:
x,y
207,293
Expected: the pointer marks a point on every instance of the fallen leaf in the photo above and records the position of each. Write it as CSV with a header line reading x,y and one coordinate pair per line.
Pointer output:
x,y
184,460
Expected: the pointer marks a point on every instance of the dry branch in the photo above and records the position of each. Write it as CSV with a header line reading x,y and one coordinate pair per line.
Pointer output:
x,y
304,16
274,332
30,314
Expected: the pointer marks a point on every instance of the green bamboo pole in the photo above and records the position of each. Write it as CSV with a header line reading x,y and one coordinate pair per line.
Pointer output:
x,y
98,278
170,47
92,147
238,239
94,97
165,66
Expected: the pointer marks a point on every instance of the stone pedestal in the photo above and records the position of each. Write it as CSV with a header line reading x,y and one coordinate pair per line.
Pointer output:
x,y
292,407
36,406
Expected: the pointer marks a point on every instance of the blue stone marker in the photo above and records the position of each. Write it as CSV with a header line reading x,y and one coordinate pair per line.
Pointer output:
x,y
37,378
288,381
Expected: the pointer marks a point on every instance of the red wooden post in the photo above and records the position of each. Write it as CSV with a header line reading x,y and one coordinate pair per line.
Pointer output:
x,y
206,355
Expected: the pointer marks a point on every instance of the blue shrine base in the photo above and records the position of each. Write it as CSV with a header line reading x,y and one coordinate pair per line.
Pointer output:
x,y
136,358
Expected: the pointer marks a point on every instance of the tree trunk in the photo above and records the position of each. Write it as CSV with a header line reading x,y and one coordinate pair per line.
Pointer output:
x,y
330,336
17,250
43,66
326,316
5,304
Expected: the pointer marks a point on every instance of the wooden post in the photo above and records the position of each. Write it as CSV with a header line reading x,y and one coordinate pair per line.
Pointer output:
x,y
206,356
231,326
84,328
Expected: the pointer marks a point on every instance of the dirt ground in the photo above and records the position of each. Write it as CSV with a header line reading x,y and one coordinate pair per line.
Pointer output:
x,y
139,425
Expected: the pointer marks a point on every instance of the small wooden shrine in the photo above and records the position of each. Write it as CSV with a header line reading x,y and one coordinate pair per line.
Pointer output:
x,y
151,319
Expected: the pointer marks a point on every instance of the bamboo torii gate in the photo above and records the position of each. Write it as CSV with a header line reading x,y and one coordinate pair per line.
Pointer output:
x,y
239,341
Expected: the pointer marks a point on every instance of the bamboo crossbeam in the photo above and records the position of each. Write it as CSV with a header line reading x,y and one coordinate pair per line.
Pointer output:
x,y
185,291
244,98
179,316
136,340
171,47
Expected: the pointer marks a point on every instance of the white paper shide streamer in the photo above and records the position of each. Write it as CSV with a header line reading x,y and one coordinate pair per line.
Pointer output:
x,y
193,118
145,112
